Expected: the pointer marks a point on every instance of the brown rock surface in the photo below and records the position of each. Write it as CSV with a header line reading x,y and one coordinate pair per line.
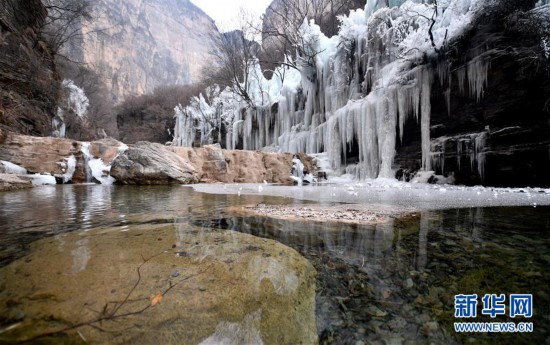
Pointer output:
x,y
106,149
42,154
154,163
238,166
10,182
49,155
29,83
216,287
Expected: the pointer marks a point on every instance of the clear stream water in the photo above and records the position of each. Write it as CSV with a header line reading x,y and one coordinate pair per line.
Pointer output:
x,y
392,283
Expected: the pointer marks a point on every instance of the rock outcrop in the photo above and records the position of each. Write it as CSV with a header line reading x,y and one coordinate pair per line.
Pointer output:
x,y
144,163
11,182
214,287
43,154
52,156
237,166
139,45
148,163
29,84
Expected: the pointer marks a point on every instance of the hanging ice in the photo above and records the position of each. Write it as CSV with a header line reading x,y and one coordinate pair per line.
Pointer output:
x,y
355,94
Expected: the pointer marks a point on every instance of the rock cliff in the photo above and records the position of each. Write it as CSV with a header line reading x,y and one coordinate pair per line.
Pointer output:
x,y
500,137
139,45
29,83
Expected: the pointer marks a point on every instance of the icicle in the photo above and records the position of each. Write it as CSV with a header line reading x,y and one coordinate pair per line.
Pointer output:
x,y
477,77
389,135
479,146
461,77
425,121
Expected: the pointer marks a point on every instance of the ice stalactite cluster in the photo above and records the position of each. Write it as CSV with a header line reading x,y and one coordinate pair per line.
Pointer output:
x,y
204,119
470,147
363,86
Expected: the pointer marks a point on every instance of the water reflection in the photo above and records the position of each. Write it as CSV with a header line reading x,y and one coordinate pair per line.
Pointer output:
x,y
397,281
382,283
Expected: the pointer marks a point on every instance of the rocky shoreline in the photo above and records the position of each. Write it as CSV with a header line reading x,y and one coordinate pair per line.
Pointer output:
x,y
47,160
348,213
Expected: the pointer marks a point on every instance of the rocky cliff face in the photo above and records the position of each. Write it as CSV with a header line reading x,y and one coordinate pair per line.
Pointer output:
x,y
28,81
138,45
500,137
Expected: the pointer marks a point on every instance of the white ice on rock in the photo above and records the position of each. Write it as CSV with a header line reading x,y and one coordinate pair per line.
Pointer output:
x,y
39,179
76,101
11,168
96,168
363,86
70,169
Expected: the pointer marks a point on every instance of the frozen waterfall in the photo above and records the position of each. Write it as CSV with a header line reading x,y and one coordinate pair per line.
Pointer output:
x,y
366,83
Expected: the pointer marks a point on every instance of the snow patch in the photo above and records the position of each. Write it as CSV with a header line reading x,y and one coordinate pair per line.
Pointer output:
x,y
38,179
11,168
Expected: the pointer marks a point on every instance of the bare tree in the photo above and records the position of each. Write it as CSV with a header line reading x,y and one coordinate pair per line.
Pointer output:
x,y
235,57
280,29
63,21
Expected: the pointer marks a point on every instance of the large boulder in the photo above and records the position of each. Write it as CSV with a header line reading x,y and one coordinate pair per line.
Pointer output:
x,y
106,149
194,285
152,164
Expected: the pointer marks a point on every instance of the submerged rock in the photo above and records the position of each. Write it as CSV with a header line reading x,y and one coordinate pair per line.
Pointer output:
x,y
232,288
152,164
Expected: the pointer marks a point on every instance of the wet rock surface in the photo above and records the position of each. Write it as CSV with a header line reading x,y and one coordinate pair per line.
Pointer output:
x,y
158,284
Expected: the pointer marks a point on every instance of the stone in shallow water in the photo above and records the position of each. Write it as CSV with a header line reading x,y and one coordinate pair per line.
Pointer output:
x,y
225,290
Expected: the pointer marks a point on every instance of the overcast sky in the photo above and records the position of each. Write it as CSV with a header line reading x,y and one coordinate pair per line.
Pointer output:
x,y
225,12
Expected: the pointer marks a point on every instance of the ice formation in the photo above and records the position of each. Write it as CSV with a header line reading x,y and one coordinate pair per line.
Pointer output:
x,y
69,169
95,167
469,147
11,168
76,102
364,85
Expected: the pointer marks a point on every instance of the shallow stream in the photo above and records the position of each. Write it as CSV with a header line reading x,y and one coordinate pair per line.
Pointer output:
x,y
390,283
